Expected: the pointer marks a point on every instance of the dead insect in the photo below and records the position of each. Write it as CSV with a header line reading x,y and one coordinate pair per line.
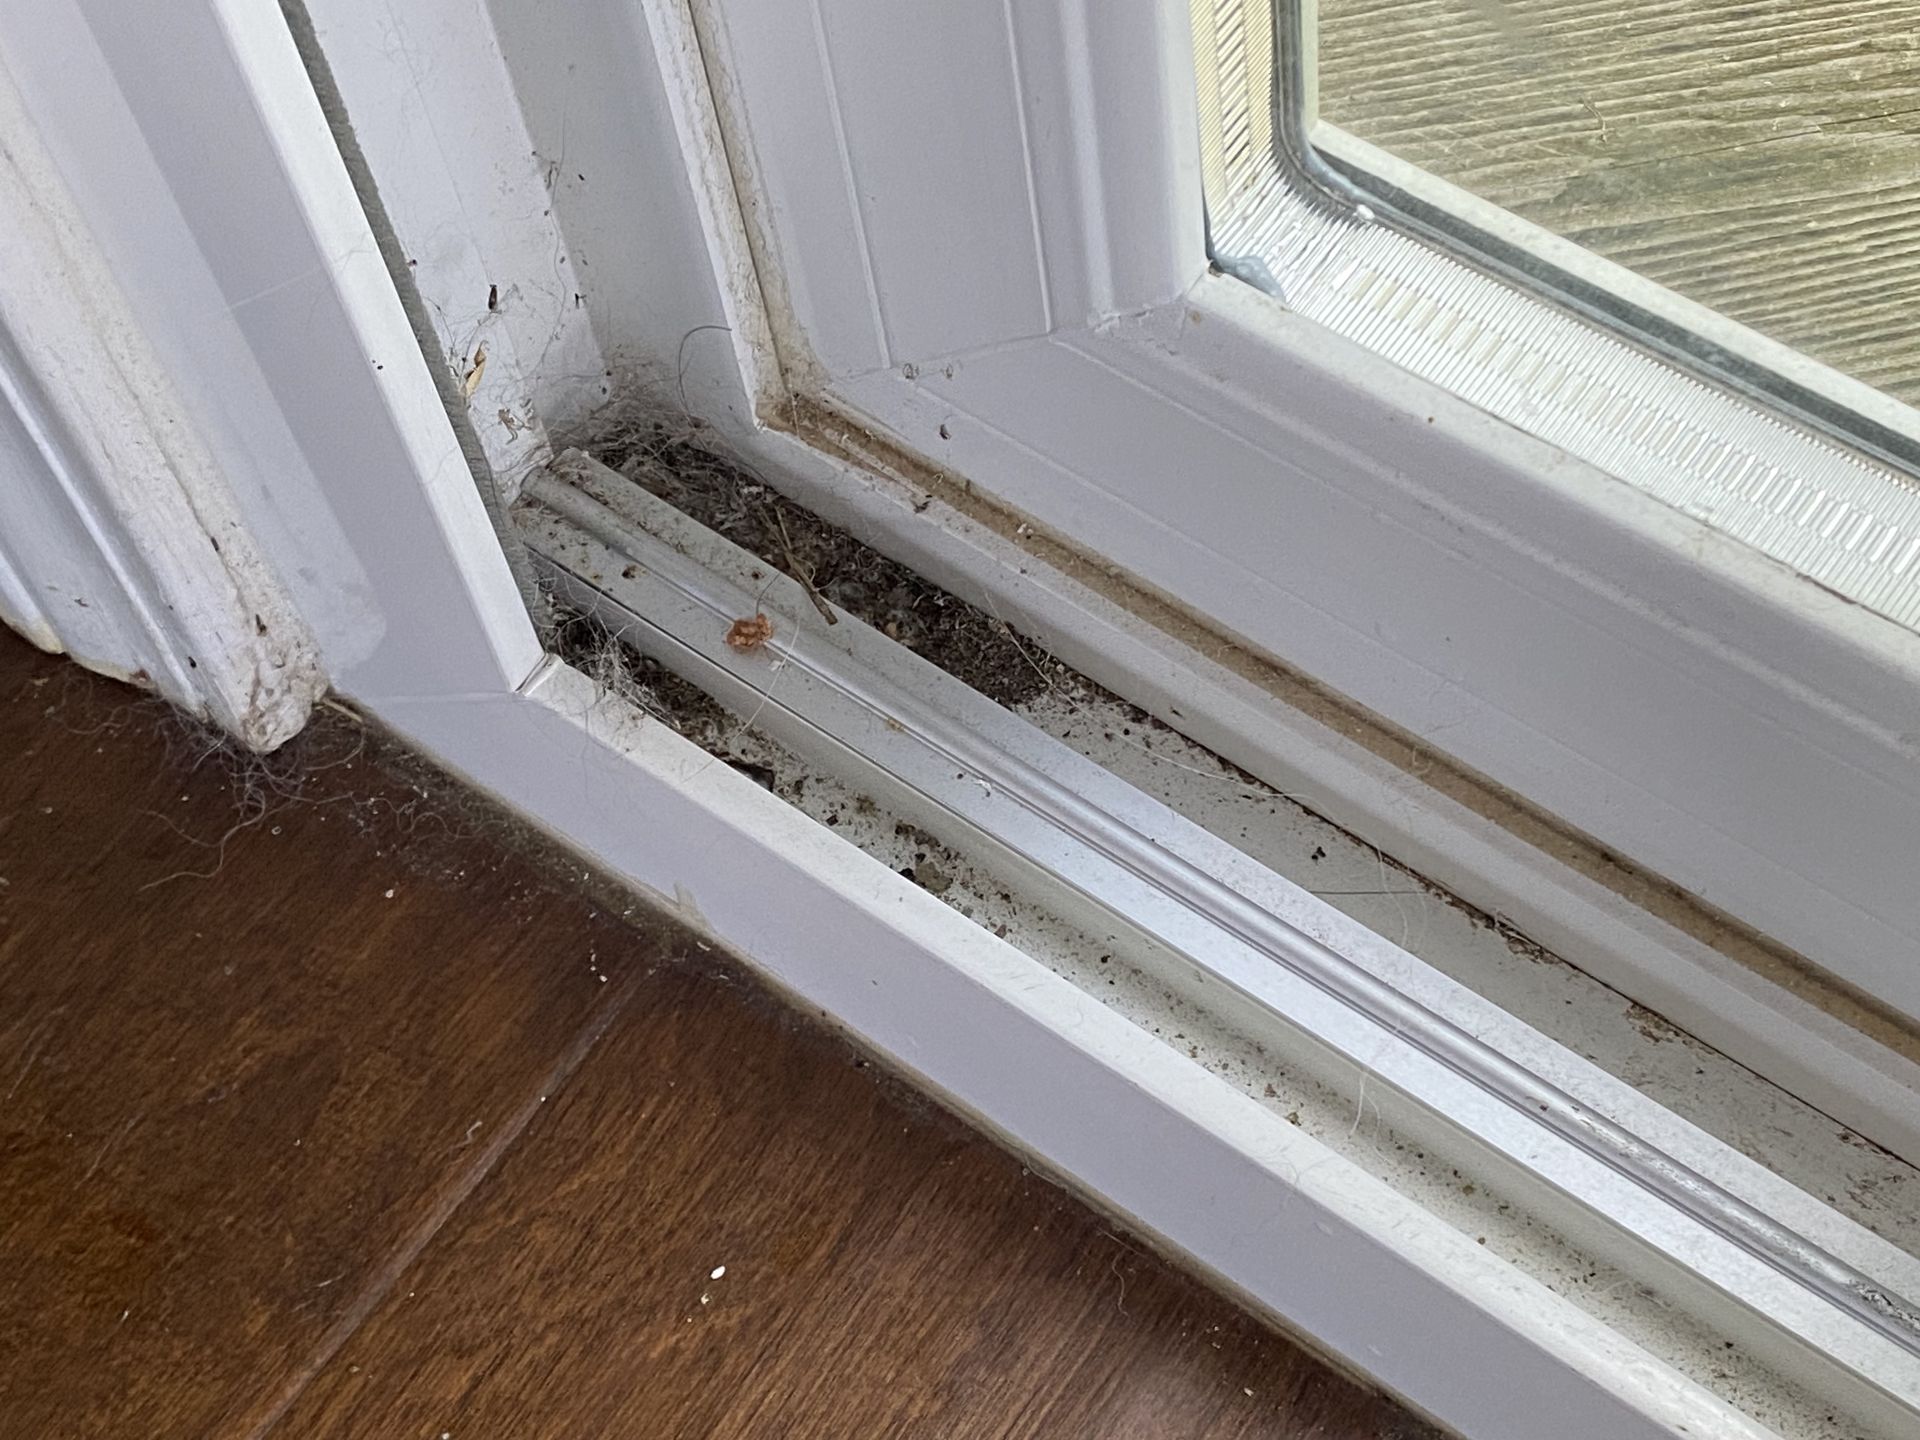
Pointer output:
x,y
493,297
750,634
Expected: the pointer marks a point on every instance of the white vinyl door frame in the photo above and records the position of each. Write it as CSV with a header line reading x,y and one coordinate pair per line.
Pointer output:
x,y
623,134
121,544
980,233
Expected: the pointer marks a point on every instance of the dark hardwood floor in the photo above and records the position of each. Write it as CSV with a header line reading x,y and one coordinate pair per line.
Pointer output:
x,y
334,1106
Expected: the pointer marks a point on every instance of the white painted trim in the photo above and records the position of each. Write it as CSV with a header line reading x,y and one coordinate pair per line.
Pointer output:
x,y
19,608
125,547
259,286
263,54
1281,1220
889,234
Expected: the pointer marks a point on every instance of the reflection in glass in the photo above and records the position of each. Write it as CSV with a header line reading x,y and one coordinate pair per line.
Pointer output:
x,y
1759,158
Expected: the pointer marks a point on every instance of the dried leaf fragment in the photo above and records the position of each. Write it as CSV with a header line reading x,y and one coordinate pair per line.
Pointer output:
x,y
750,634
471,382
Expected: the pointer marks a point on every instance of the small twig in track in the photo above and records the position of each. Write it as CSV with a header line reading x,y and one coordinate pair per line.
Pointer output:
x,y
802,574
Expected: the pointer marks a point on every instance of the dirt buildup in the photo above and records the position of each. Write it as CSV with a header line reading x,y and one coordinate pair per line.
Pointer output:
x,y
961,639
846,573
596,652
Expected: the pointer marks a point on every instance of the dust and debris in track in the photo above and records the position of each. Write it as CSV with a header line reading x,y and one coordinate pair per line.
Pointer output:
x,y
843,571
837,568
598,653
670,460
590,647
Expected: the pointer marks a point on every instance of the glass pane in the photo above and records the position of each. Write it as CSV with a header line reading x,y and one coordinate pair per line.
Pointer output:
x,y
1401,172
1759,158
